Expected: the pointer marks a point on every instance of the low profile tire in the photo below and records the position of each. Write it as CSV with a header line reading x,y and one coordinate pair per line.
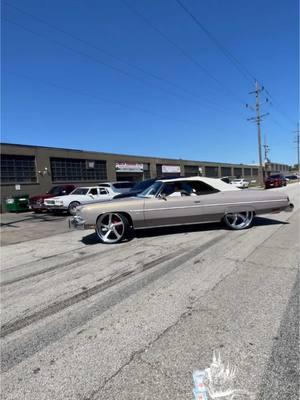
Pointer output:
x,y
72,207
239,221
112,228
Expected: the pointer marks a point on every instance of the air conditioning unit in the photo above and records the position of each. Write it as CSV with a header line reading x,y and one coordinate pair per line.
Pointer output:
x,y
90,164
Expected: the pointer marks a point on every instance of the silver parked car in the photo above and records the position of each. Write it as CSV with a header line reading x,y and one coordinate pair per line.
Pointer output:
x,y
183,201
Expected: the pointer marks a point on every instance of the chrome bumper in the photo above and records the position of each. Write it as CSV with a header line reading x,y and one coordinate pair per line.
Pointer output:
x,y
76,222
37,206
55,207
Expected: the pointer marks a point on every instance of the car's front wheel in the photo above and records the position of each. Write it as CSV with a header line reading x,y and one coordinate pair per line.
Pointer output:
x,y
72,207
238,221
112,227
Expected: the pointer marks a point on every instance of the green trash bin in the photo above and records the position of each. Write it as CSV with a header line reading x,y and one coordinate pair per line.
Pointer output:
x,y
18,203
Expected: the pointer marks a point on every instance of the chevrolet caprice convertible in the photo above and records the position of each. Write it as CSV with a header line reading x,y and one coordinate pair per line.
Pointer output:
x,y
185,201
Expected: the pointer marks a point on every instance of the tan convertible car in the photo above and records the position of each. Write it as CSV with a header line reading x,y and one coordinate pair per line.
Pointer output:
x,y
180,201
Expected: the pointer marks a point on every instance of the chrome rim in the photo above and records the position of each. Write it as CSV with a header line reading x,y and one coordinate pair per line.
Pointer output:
x,y
110,228
239,220
72,208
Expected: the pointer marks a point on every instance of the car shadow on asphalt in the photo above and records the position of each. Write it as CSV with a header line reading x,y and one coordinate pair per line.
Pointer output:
x,y
43,217
259,221
92,238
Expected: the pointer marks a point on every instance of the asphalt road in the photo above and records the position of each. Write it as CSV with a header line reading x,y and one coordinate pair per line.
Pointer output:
x,y
86,321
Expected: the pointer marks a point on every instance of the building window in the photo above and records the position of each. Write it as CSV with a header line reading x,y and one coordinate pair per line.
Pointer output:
x,y
254,171
191,170
74,169
226,171
158,170
17,169
247,171
238,172
147,174
211,172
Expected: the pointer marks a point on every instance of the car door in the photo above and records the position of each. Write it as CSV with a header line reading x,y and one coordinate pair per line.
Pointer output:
x,y
103,194
196,207
91,195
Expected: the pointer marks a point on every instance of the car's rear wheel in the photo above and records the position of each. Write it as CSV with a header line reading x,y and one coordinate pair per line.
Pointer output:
x,y
112,227
72,207
238,221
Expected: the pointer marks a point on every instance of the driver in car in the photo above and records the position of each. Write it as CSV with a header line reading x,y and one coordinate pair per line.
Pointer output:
x,y
182,191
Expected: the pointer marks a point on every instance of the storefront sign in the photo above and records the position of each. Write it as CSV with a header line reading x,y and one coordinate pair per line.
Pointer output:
x,y
126,167
173,169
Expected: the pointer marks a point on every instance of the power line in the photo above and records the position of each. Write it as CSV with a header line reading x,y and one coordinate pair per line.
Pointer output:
x,y
242,69
238,65
181,50
95,97
116,69
107,53
275,106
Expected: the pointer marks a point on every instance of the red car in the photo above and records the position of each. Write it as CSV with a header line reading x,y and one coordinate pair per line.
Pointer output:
x,y
37,202
277,180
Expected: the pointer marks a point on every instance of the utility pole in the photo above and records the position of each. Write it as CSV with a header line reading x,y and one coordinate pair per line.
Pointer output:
x,y
267,150
258,120
297,143
267,166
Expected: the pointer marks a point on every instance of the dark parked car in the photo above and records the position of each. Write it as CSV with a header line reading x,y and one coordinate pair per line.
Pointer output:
x,y
136,189
37,202
292,177
277,180
118,187
140,187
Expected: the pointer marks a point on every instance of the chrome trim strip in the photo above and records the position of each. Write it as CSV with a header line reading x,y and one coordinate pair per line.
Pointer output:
x,y
185,223
207,205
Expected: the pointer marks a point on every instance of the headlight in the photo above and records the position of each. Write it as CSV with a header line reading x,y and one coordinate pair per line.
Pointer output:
x,y
59,202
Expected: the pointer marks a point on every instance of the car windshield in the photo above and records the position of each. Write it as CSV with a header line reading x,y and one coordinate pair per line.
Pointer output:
x,y
143,185
152,190
80,191
56,190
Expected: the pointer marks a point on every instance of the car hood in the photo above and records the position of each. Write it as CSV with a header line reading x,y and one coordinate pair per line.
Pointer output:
x,y
64,197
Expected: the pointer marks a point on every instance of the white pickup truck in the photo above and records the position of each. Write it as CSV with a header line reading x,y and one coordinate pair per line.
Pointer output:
x,y
80,195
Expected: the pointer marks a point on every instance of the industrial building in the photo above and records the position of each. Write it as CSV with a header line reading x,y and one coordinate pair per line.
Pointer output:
x,y
34,169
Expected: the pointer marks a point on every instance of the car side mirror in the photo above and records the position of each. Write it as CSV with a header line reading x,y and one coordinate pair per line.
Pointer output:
x,y
91,196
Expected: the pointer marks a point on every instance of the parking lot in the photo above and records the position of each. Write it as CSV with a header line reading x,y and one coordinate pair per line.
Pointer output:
x,y
84,320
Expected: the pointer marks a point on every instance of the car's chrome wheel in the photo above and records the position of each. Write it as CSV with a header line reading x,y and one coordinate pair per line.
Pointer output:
x,y
72,207
111,227
239,220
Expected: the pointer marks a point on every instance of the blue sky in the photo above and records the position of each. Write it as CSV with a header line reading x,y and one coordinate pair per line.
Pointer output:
x,y
140,77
